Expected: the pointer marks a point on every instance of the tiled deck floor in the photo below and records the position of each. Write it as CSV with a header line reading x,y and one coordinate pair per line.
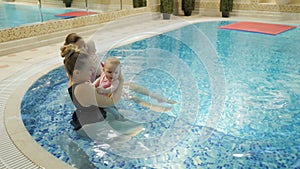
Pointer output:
x,y
19,70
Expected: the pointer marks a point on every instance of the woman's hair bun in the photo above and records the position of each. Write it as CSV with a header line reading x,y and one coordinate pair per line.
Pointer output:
x,y
68,50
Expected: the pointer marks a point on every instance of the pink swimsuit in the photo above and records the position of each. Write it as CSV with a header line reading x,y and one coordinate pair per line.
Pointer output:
x,y
103,82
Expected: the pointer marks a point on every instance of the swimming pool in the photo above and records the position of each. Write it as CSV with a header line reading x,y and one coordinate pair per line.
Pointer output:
x,y
258,128
13,15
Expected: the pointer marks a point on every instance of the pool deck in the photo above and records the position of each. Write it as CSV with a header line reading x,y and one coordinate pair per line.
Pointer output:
x,y
18,71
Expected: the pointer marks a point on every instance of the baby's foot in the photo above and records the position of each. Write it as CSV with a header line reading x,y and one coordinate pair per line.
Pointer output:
x,y
171,102
127,96
164,100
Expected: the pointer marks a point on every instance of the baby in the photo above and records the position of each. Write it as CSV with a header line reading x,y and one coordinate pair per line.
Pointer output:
x,y
108,81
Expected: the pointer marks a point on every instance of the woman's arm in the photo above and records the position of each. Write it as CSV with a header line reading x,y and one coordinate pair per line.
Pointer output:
x,y
111,89
86,95
117,94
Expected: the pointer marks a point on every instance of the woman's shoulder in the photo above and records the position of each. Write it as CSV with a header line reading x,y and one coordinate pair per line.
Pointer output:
x,y
85,84
84,87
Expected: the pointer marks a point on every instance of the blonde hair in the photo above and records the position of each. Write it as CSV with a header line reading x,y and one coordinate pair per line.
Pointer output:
x,y
112,60
73,58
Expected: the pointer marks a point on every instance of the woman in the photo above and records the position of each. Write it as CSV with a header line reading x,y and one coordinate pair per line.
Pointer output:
x,y
89,119
90,48
87,47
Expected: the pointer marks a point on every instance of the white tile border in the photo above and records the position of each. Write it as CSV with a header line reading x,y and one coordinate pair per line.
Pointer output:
x,y
13,123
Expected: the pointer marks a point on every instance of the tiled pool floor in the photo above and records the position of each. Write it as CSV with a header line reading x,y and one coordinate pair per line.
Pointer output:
x,y
19,70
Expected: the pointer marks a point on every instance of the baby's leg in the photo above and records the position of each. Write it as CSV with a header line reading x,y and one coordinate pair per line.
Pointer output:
x,y
144,91
154,107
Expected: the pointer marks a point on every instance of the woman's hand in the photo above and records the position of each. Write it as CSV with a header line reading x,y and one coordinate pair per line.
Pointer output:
x,y
121,77
117,94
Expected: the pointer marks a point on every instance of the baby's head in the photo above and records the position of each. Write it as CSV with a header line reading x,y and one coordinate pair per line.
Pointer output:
x,y
112,68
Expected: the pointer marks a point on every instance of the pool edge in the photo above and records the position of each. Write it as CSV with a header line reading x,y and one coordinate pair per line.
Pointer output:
x,y
18,133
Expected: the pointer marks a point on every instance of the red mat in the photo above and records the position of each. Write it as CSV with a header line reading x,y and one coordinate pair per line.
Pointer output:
x,y
266,28
75,13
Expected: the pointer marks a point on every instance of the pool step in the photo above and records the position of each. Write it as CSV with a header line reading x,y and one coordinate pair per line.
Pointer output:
x,y
15,46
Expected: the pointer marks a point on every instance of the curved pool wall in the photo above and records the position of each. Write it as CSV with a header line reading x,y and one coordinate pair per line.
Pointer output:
x,y
28,153
265,88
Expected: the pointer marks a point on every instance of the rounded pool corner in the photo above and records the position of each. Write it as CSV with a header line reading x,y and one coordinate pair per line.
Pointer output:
x,y
18,133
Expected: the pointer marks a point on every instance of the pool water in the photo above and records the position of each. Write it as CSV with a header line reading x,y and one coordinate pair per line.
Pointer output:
x,y
257,125
13,15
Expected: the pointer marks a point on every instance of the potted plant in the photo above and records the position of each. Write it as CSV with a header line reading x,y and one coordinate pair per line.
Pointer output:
x,y
67,3
166,7
188,6
226,7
